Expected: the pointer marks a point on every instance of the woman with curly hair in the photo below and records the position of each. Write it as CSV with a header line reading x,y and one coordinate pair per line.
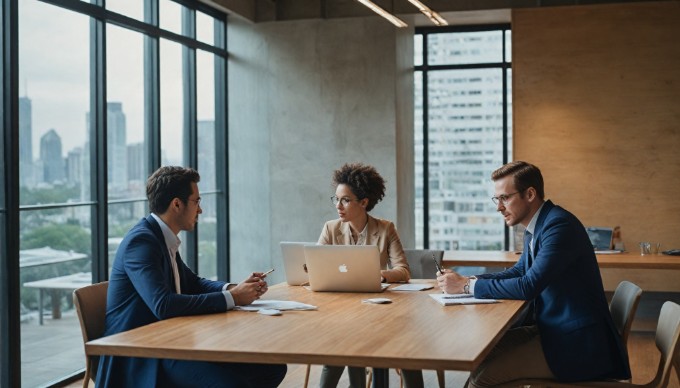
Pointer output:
x,y
358,188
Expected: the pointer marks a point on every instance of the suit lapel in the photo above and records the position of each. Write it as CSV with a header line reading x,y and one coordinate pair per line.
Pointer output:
x,y
345,235
372,235
167,268
538,229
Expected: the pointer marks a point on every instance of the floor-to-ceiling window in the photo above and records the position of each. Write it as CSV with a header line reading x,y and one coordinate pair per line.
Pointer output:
x,y
462,133
103,96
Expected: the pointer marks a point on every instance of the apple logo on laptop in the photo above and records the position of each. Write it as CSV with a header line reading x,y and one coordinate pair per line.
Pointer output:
x,y
342,268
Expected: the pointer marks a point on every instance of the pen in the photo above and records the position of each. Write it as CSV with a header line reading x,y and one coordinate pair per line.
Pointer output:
x,y
439,268
457,296
268,272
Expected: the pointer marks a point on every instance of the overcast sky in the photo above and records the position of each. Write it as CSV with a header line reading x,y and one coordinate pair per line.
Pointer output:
x,y
54,63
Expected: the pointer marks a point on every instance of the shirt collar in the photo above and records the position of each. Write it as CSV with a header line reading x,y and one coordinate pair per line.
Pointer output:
x,y
534,219
171,240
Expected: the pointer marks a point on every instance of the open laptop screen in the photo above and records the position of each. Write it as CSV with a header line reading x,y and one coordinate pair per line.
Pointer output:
x,y
600,237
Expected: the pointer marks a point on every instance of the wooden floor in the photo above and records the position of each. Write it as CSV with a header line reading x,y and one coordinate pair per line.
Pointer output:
x,y
644,359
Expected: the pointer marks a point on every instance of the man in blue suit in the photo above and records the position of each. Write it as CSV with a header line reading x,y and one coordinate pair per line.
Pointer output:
x,y
570,335
150,282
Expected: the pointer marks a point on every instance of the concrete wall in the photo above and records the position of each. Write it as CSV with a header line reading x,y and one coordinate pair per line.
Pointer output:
x,y
304,98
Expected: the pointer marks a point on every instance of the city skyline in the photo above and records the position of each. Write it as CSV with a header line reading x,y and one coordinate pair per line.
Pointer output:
x,y
55,164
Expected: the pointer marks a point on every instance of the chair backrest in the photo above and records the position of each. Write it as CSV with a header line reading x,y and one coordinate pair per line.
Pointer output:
x,y
623,306
667,335
421,264
90,304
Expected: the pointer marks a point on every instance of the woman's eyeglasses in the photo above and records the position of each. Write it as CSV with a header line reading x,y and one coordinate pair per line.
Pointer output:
x,y
344,200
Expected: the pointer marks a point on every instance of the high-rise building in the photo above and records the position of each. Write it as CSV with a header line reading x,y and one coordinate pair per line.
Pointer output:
x,y
51,158
74,166
206,162
26,173
136,159
465,141
116,147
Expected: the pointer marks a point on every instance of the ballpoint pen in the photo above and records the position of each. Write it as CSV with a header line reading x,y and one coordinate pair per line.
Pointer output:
x,y
457,296
268,272
439,268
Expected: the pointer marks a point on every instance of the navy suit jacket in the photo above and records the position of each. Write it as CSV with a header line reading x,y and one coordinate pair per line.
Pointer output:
x,y
142,291
563,280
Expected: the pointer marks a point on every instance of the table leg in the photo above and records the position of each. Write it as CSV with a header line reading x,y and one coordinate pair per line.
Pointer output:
x,y
381,378
40,307
56,304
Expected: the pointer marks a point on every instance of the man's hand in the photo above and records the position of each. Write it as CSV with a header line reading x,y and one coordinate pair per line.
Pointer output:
x,y
249,290
451,282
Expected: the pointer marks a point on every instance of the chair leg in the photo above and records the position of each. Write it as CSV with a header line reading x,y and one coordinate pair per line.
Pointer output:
x,y
441,378
86,379
401,378
677,369
309,366
369,377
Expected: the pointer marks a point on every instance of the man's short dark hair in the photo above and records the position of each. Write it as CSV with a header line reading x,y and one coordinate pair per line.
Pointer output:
x,y
168,183
524,174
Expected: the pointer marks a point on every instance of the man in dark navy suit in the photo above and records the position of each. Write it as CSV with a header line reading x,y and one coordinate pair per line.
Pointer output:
x,y
570,335
150,282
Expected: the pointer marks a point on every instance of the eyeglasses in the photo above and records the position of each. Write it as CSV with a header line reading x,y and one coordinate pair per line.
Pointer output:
x,y
198,201
344,200
504,199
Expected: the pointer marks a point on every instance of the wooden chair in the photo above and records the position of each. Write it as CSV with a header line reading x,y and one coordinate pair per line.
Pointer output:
x,y
667,336
90,304
623,306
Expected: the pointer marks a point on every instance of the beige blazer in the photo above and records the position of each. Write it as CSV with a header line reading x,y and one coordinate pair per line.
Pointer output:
x,y
382,233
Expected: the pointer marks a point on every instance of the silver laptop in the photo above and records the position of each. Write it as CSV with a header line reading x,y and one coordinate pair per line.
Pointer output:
x,y
344,268
294,262
600,237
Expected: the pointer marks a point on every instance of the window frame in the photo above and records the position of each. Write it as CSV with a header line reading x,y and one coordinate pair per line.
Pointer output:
x,y
10,210
424,68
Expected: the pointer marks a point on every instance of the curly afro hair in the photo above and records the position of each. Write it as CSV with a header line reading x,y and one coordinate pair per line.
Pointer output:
x,y
363,180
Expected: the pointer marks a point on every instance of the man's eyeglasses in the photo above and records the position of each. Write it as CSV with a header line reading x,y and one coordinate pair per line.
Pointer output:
x,y
504,199
198,201
344,200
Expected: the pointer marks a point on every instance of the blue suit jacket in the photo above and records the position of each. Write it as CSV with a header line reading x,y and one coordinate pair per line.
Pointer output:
x,y
578,336
142,291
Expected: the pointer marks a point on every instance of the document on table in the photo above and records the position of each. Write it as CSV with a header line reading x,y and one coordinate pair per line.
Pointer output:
x,y
275,304
413,287
451,299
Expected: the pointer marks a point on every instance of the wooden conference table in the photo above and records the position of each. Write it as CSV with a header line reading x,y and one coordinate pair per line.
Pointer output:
x,y
651,272
413,332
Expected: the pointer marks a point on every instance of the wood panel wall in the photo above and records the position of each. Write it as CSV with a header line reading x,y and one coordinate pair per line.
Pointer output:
x,y
596,95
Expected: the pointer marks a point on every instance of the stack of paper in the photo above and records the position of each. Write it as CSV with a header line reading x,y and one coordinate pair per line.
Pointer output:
x,y
275,304
413,287
450,299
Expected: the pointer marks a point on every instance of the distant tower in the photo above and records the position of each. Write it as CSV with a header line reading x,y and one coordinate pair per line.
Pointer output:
x,y
116,147
74,166
26,173
50,155
136,158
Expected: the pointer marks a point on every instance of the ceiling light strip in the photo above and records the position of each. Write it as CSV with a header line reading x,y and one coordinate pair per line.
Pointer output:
x,y
432,15
391,18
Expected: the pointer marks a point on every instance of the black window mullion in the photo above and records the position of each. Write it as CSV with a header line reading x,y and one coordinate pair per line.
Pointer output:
x,y
426,153
221,148
190,121
98,151
10,339
152,92
506,231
